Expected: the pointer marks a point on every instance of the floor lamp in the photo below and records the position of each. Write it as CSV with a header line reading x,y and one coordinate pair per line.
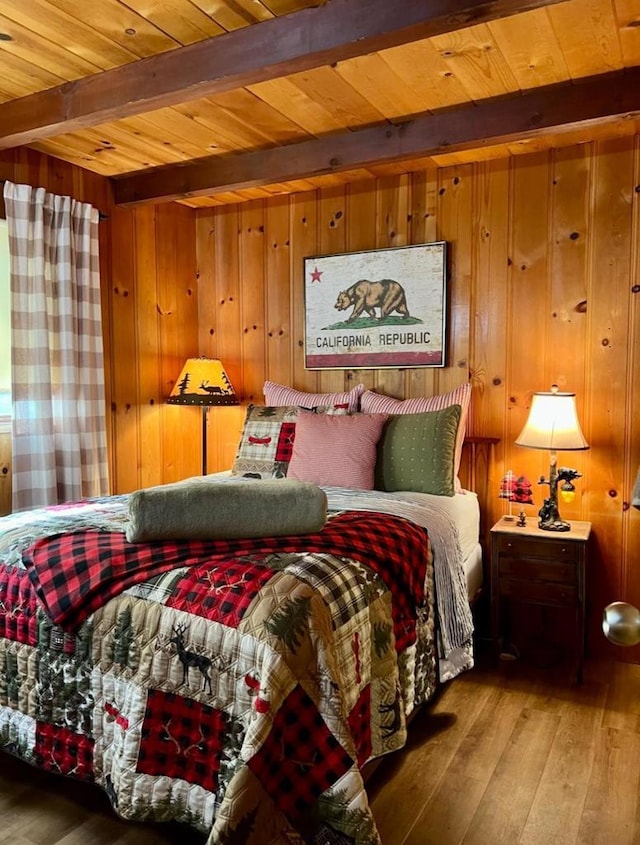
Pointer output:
x,y
203,382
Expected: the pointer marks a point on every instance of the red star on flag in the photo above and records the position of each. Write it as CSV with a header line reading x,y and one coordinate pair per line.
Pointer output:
x,y
315,275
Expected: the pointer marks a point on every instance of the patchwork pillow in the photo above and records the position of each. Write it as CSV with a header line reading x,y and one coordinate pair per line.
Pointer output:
x,y
416,452
278,394
376,403
266,442
338,451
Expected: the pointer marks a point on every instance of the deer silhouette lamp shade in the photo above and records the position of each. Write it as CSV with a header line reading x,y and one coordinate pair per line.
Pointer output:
x,y
204,382
553,425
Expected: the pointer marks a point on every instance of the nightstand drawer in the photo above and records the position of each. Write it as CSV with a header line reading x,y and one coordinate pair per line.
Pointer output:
x,y
538,570
539,591
532,547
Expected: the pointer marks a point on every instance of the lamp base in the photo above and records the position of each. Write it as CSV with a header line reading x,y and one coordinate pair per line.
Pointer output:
x,y
555,525
549,516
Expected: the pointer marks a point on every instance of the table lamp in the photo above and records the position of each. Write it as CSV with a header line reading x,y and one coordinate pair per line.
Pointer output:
x,y
553,424
204,382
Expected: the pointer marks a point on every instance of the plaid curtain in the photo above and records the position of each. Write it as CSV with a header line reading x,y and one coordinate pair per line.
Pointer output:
x,y
59,426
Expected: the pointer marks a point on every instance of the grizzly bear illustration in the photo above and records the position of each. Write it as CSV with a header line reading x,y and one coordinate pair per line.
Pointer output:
x,y
387,295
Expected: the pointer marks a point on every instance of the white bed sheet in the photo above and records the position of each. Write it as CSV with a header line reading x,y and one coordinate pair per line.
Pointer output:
x,y
464,510
474,571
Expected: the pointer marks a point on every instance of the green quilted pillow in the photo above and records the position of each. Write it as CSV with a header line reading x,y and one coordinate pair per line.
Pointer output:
x,y
417,452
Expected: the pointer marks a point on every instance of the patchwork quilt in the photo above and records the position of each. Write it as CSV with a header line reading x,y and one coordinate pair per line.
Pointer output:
x,y
236,686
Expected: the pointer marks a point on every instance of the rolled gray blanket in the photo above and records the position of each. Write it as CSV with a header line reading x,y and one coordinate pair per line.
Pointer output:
x,y
200,510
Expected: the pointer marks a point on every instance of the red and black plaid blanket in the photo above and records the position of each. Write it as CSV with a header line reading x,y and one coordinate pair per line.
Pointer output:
x,y
75,574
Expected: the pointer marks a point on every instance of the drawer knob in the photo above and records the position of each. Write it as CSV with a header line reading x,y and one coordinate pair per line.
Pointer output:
x,y
509,545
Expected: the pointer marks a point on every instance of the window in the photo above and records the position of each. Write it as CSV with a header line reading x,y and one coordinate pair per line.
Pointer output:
x,y
5,329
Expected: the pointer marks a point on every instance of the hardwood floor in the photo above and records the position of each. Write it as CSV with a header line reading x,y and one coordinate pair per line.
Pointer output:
x,y
508,754
41,809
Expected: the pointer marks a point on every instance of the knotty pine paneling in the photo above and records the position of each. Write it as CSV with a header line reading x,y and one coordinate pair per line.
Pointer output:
x,y
544,254
154,323
220,325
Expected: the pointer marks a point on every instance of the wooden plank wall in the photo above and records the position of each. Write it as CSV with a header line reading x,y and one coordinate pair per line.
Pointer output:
x,y
154,328
545,254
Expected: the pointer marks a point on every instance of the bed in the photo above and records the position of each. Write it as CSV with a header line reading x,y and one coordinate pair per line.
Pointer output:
x,y
237,685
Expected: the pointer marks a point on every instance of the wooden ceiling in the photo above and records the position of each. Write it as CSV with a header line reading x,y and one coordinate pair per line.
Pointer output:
x,y
215,101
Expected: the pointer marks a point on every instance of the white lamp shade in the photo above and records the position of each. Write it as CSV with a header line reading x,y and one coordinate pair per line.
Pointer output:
x,y
553,423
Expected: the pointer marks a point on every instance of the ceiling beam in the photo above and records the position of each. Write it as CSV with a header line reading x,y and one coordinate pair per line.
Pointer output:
x,y
557,108
328,33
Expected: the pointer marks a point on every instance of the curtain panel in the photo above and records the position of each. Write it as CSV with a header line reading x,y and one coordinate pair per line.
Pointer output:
x,y
59,439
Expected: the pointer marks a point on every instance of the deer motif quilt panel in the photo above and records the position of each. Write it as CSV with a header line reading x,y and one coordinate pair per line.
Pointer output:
x,y
236,686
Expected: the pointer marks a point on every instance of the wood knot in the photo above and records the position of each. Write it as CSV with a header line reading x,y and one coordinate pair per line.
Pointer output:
x,y
581,307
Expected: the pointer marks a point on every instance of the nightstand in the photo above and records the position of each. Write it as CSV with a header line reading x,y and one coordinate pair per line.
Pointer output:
x,y
532,566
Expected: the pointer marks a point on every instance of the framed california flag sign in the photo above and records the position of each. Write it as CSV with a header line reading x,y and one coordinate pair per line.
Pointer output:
x,y
380,308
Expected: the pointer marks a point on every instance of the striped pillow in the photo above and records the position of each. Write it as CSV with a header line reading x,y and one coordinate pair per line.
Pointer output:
x,y
278,394
338,451
376,403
